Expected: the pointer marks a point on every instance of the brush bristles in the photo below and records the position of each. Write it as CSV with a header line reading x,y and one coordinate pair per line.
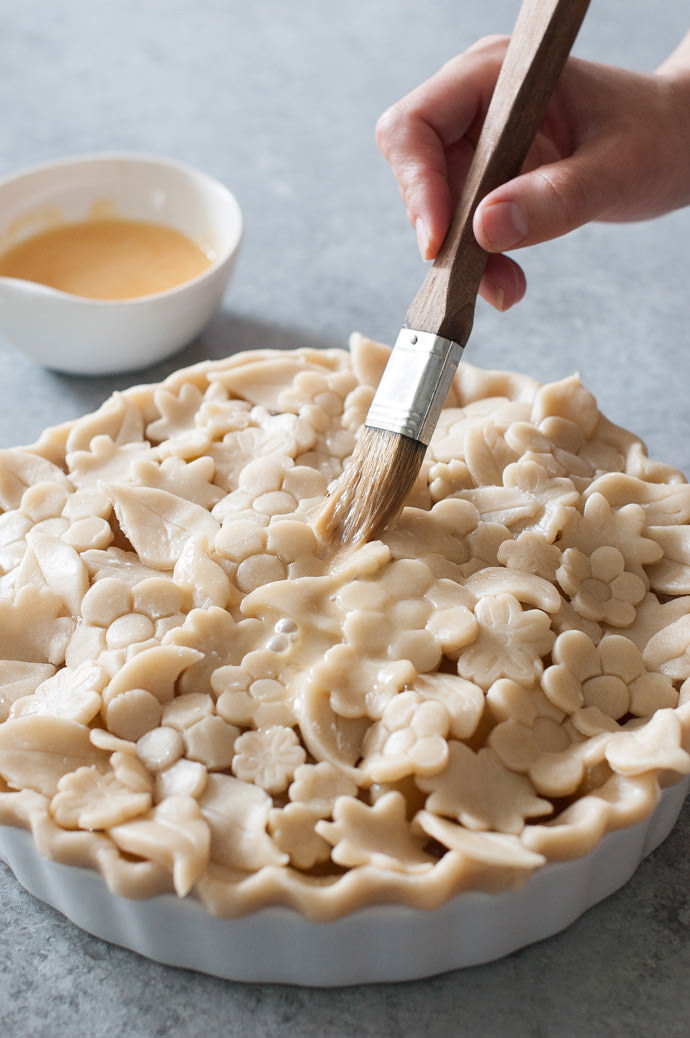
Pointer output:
x,y
371,492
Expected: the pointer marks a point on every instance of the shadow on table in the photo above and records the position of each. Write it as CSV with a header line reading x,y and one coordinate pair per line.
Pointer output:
x,y
229,333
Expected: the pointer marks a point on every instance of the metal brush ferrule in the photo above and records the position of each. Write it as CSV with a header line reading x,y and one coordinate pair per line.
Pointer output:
x,y
415,384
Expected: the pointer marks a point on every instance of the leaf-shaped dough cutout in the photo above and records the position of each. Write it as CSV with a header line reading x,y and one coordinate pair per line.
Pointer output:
x,y
262,381
158,523
51,563
669,649
502,849
237,813
124,566
32,628
72,693
155,669
657,744
119,418
104,461
567,399
498,504
35,752
18,679
664,504
175,835
671,575
369,358
526,587
20,469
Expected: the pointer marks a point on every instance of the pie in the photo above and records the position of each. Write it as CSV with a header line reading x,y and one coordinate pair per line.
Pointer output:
x,y
198,695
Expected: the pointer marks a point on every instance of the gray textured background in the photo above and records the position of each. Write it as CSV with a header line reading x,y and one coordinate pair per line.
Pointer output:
x,y
279,101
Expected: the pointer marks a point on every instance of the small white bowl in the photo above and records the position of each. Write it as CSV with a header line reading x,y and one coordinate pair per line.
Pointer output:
x,y
93,337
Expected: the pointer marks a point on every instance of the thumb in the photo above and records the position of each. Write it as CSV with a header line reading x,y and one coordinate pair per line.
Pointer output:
x,y
542,204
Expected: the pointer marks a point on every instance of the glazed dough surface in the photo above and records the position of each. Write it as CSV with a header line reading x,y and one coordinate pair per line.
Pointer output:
x,y
195,696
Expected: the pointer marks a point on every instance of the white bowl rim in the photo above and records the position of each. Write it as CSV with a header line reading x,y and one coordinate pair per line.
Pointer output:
x,y
135,158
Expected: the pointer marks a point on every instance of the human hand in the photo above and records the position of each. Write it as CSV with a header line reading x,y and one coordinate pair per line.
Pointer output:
x,y
614,146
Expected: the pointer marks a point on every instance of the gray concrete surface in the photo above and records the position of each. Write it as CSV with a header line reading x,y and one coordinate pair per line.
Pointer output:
x,y
279,100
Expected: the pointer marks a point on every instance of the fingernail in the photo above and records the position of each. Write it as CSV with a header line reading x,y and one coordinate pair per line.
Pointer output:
x,y
504,225
494,295
422,237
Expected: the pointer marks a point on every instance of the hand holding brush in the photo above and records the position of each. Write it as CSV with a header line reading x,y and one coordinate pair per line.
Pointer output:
x,y
408,401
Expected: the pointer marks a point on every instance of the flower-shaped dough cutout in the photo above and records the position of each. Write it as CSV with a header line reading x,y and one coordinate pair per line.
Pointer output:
x,y
319,786
599,586
268,758
218,415
447,478
531,552
293,829
410,739
375,835
217,639
90,799
599,525
510,642
246,699
478,791
388,615
611,677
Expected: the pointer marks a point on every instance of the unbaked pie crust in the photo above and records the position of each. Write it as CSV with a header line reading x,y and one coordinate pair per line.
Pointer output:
x,y
197,696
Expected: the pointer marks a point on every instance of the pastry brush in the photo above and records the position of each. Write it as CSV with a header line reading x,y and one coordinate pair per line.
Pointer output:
x,y
371,491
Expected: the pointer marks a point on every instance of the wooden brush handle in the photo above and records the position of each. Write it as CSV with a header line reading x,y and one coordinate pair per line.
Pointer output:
x,y
544,33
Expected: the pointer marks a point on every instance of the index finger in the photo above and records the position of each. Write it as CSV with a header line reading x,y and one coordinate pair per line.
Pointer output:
x,y
428,136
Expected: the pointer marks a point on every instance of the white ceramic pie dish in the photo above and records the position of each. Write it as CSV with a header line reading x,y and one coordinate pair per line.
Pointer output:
x,y
383,943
